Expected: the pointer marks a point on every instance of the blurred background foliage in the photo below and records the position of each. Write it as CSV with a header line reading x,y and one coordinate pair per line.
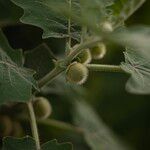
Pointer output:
x,y
126,114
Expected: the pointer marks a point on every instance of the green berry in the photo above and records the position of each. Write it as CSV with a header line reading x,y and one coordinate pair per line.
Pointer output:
x,y
77,73
85,56
5,126
42,108
99,51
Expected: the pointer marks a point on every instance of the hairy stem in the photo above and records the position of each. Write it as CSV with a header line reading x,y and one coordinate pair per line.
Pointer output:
x,y
105,68
34,125
69,29
50,76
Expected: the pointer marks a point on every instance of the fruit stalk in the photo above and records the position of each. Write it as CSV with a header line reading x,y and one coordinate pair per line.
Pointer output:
x,y
34,125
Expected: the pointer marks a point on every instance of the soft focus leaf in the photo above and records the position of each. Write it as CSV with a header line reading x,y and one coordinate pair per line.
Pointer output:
x,y
97,135
28,143
16,82
137,64
123,9
136,37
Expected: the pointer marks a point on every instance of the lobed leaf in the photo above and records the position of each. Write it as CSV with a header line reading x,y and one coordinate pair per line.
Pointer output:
x,y
16,82
137,57
137,64
44,14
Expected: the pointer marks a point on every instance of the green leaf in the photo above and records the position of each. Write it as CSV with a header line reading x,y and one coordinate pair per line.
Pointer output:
x,y
44,15
137,57
27,143
40,59
137,64
53,145
136,37
123,9
10,143
16,82
97,135
13,13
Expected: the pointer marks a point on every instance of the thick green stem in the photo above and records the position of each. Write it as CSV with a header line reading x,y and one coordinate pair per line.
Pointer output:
x,y
105,68
50,76
34,125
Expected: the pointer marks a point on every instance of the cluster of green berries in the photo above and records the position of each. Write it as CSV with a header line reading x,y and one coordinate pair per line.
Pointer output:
x,y
77,72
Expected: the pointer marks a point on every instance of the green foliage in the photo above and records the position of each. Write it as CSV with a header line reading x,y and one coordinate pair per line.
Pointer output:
x,y
96,133
28,143
16,82
40,59
44,15
123,9
137,64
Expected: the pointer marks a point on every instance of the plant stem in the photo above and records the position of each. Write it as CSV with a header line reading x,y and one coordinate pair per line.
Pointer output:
x,y
34,125
50,76
105,68
69,29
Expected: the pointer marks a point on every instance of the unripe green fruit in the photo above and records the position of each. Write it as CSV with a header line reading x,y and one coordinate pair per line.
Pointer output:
x,y
5,126
107,27
85,56
99,51
77,73
42,108
17,129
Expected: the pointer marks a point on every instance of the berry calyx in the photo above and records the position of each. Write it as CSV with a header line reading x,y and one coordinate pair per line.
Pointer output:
x,y
42,108
99,51
77,73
